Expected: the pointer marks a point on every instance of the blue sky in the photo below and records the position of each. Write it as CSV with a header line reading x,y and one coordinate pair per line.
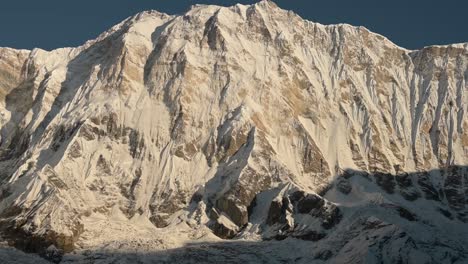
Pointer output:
x,y
50,24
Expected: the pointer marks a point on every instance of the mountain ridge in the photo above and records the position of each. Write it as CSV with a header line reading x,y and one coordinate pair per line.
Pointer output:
x,y
261,3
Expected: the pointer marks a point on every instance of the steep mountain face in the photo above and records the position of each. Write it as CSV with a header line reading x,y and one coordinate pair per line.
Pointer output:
x,y
247,120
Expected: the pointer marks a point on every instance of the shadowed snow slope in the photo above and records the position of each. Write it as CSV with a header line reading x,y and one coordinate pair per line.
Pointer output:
x,y
242,122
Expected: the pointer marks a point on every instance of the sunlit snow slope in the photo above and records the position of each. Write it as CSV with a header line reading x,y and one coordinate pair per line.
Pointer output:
x,y
245,121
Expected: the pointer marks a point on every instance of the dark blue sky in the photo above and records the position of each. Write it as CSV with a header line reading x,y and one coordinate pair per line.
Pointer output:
x,y
50,24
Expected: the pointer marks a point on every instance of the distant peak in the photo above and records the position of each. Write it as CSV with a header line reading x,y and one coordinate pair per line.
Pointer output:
x,y
267,4
149,13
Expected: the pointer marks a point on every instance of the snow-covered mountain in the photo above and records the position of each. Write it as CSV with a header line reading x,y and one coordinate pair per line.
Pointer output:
x,y
246,123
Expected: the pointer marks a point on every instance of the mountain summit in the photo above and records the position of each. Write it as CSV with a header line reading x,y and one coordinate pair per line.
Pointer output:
x,y
246,123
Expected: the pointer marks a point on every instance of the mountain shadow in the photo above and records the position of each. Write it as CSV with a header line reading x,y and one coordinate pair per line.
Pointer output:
x,y
362,217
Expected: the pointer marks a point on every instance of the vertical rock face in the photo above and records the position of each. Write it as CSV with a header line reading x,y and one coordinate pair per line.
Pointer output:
x,y
227,103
